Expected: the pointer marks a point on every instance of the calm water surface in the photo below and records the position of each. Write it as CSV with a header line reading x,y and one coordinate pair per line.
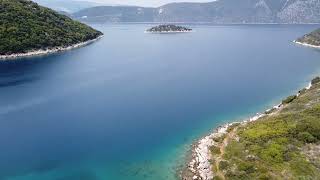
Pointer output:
x,y
129,105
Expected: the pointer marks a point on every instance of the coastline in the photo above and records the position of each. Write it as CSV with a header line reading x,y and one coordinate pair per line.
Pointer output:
x,y
199,166
41,52
306,44
167,32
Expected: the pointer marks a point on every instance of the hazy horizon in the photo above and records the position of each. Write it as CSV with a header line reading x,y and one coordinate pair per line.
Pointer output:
x,y
150,3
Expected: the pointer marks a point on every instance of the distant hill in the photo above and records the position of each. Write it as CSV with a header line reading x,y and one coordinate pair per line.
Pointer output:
x,y
69,6
220,12
116,14
312,38
25,26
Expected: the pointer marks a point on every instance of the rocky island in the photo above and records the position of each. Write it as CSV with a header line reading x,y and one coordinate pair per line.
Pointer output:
x,y
312,39
27,29
168,29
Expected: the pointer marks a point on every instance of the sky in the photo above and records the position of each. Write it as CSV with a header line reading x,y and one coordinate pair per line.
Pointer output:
x,y
153,3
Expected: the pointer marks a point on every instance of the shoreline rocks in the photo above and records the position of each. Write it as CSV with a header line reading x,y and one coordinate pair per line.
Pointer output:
x,y
41,52
306,44
200,166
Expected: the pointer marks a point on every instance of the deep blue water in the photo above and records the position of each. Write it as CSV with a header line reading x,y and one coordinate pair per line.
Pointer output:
x,y
129,105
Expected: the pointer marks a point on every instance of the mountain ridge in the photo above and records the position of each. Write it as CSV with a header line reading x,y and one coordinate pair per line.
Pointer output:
x,y
219,12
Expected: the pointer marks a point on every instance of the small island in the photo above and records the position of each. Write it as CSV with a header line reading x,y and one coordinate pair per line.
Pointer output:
x,y
169,28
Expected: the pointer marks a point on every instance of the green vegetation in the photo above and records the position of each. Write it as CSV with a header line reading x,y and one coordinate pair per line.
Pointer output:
x,y
289,99
26,26
215,150
315,80
282,145
312,38
169,28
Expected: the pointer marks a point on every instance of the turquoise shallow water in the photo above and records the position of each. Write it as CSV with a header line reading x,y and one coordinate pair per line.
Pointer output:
x,y
130,105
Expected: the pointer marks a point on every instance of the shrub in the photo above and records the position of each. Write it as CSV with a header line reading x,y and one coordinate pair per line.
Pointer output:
x,y
247,167
310,125
219,139
264,177
215,150
231,127
273,153
306,137
223,165
234,149
315,80
289,99
217,178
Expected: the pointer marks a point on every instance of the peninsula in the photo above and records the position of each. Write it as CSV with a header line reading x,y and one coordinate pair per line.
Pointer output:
x,y
312,39
169,28
27,29
280,143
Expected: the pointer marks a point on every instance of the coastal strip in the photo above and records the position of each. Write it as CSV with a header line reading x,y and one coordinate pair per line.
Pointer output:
x,y
167,32
200,166
306,44
41,52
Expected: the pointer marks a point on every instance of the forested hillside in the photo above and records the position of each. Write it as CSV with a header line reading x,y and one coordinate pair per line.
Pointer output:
x,y
26,26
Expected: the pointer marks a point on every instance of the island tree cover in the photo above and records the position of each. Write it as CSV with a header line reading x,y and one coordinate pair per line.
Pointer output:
x,y
168,28
312,38
25,26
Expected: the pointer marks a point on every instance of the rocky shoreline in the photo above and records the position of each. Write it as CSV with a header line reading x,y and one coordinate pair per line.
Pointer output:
x,y
306,44
166,32
47,51
199,166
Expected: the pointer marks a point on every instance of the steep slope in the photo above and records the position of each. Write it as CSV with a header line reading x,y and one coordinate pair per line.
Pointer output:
x,y
301,12
220,12
26,26
224,11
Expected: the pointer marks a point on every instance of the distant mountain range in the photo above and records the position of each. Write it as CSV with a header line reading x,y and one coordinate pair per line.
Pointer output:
x,y
68,6
220,12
